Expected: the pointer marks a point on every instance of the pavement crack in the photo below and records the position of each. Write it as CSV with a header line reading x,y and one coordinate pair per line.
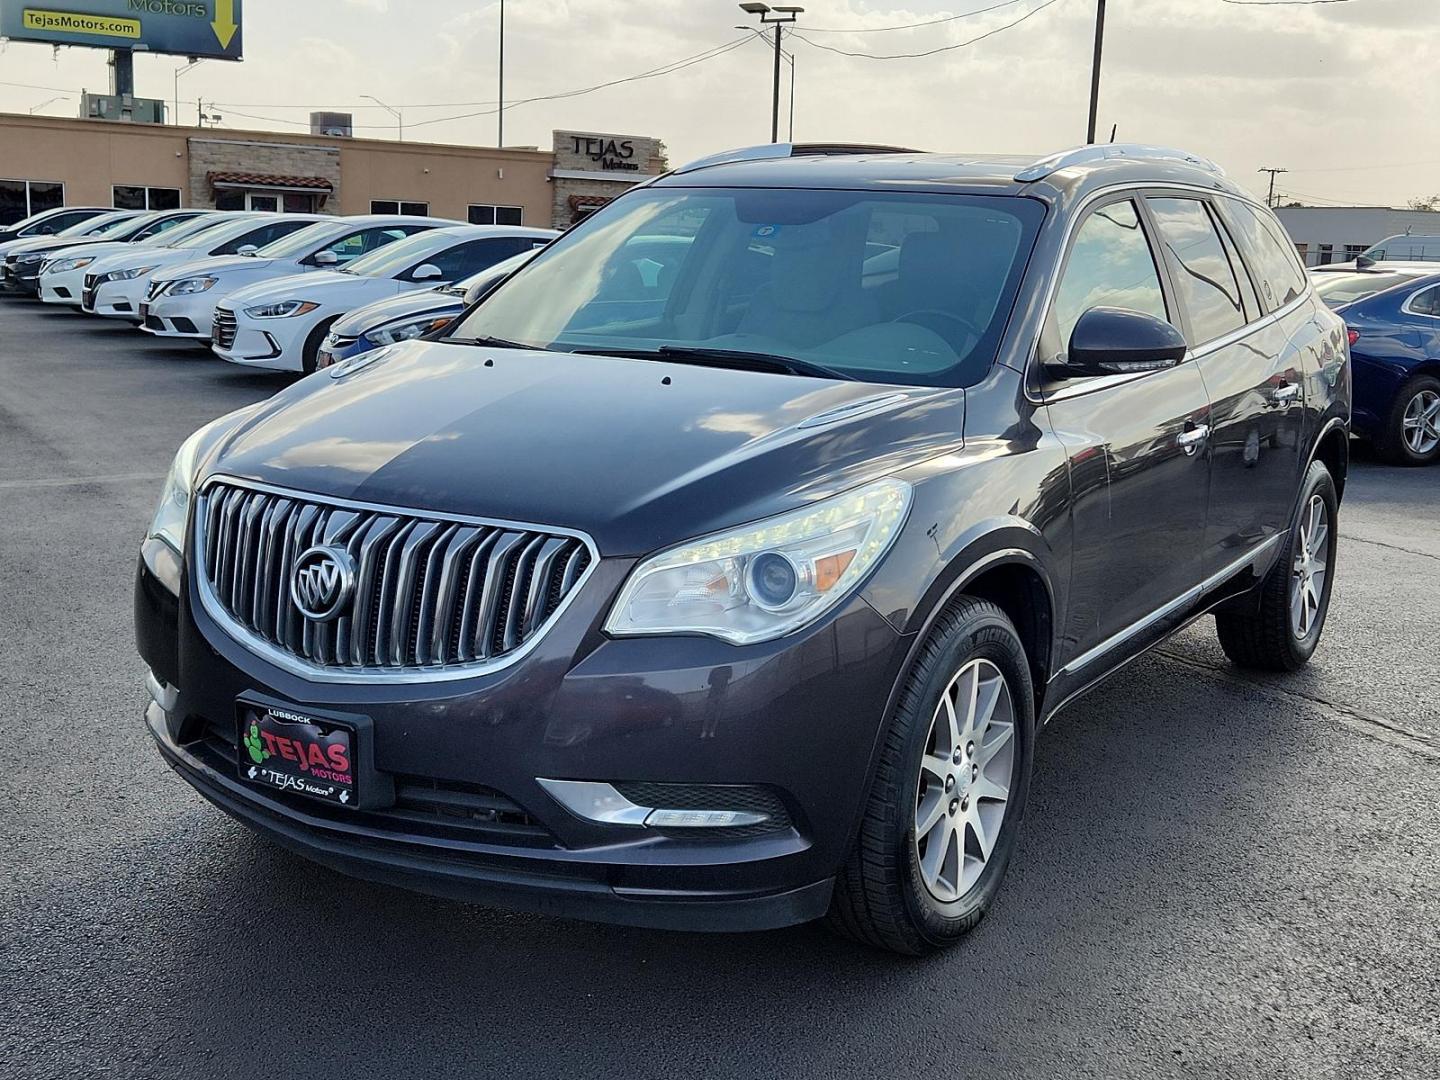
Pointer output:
x,y
1374,727
1392,547
81,481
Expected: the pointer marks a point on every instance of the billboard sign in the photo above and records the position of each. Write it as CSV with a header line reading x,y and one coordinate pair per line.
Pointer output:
x,y
208,28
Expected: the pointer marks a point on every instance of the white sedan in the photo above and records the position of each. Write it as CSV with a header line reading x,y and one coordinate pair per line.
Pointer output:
x,y
62,276
116,285
181,301
281,324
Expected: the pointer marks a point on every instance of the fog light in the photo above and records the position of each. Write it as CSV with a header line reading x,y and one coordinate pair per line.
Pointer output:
x,y
605,805
702,819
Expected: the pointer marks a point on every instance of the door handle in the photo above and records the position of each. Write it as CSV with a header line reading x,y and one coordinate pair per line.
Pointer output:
x,y
1284,394
1193,439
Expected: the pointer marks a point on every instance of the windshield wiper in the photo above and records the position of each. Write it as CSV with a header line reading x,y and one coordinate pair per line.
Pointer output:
x,y
737,359
495,343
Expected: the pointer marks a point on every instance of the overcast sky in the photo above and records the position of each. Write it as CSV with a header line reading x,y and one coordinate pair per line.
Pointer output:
x,y
1343,94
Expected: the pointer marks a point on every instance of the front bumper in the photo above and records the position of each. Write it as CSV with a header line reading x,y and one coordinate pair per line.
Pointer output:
x,y
273,344
64,288
799,717
24,280
191,316
116,299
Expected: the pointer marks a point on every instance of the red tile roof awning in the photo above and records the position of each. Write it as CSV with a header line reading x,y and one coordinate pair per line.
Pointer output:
x,y
263,180
578,202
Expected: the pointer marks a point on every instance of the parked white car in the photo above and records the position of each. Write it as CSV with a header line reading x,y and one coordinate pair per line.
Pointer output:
x,y
181,301
117,285
281,324
62,274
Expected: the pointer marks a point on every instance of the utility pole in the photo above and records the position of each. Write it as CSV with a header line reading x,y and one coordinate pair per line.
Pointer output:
x,y
1095,70
1270,199
500,113
776,16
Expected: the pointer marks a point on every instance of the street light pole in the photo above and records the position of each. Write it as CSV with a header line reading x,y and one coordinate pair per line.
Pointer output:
x,y
777,17
183,69
789,59
48,101
500,113
399,118
1095,69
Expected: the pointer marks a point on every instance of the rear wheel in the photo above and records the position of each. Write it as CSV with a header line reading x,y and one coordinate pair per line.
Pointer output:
x,y
1412,432
1281,632
949,791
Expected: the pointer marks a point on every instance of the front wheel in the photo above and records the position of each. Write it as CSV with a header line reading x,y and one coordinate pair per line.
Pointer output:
x,y
949,791
1281,632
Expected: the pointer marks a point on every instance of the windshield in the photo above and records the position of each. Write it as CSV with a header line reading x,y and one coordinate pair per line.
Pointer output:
x,y
399,255
178,234
98,225
873,286
1340,289
1405,249
301,242
214,234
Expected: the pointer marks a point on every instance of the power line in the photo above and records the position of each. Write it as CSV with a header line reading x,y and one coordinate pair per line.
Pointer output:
x,y
907,26
928,52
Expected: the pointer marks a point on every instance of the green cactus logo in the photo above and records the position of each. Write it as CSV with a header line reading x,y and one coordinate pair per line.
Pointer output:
x,y
256,749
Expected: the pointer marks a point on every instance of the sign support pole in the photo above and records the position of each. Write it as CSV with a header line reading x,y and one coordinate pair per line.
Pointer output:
x,y
122,73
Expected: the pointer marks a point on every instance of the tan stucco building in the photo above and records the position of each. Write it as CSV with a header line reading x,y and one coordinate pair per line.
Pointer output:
x,y
45,160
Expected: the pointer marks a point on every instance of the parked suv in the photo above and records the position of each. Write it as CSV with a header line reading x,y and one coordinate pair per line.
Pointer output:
x,y
720,568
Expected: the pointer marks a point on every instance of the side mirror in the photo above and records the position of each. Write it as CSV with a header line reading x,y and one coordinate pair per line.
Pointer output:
x,y
246,249
325,258
1117,341
426,272
480,290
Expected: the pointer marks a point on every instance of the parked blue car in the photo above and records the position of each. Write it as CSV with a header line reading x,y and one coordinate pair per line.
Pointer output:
x,y
411,314
1393,313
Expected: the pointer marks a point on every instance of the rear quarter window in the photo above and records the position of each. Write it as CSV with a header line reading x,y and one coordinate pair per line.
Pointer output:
x,y
1268,251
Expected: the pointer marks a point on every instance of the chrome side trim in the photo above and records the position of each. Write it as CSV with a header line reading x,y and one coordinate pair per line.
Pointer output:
x,y
296,666
601,803
1182,601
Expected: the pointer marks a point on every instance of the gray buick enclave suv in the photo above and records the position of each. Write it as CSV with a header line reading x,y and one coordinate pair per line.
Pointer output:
x,y
720,568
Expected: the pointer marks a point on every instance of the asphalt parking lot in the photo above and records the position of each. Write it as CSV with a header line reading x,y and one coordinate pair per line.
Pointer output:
x,y
1220,874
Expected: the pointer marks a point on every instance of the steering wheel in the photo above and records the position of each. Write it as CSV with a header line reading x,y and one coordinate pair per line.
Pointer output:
x,y
926,317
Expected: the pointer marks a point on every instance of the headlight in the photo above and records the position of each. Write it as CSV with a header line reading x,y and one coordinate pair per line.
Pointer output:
x,y
766,579
189,286
128,275
64,266
283,310
389,335
173,513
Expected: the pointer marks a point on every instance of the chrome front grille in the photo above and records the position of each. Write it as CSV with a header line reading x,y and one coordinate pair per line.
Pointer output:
x,y
222,330
431,593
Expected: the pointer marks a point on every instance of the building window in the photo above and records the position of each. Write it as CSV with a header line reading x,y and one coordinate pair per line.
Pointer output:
x,y
289,202
21,198
399,206
1327,255
128,197
485,214
1352,250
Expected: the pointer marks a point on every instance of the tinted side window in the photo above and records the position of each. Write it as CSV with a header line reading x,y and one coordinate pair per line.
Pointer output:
x,y
1271,256
1110,265
462,260
368,240
1427,302
1204,278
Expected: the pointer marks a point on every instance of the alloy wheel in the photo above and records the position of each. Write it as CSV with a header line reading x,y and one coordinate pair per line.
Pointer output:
x,y
1311,567
1420,426
965,777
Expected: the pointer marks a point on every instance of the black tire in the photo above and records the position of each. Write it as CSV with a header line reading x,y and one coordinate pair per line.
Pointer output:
x,y
310,355
1262,635
880,895
1390,444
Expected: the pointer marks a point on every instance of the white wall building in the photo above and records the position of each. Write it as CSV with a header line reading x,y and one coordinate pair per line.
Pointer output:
x,y
1326,234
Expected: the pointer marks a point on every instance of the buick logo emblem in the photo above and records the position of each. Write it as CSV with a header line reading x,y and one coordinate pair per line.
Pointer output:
x,y
322,583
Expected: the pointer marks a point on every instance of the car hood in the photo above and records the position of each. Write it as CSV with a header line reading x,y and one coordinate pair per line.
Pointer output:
x,y
113,247
381,312
639,454
51,244
215,263
321,286
126,256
